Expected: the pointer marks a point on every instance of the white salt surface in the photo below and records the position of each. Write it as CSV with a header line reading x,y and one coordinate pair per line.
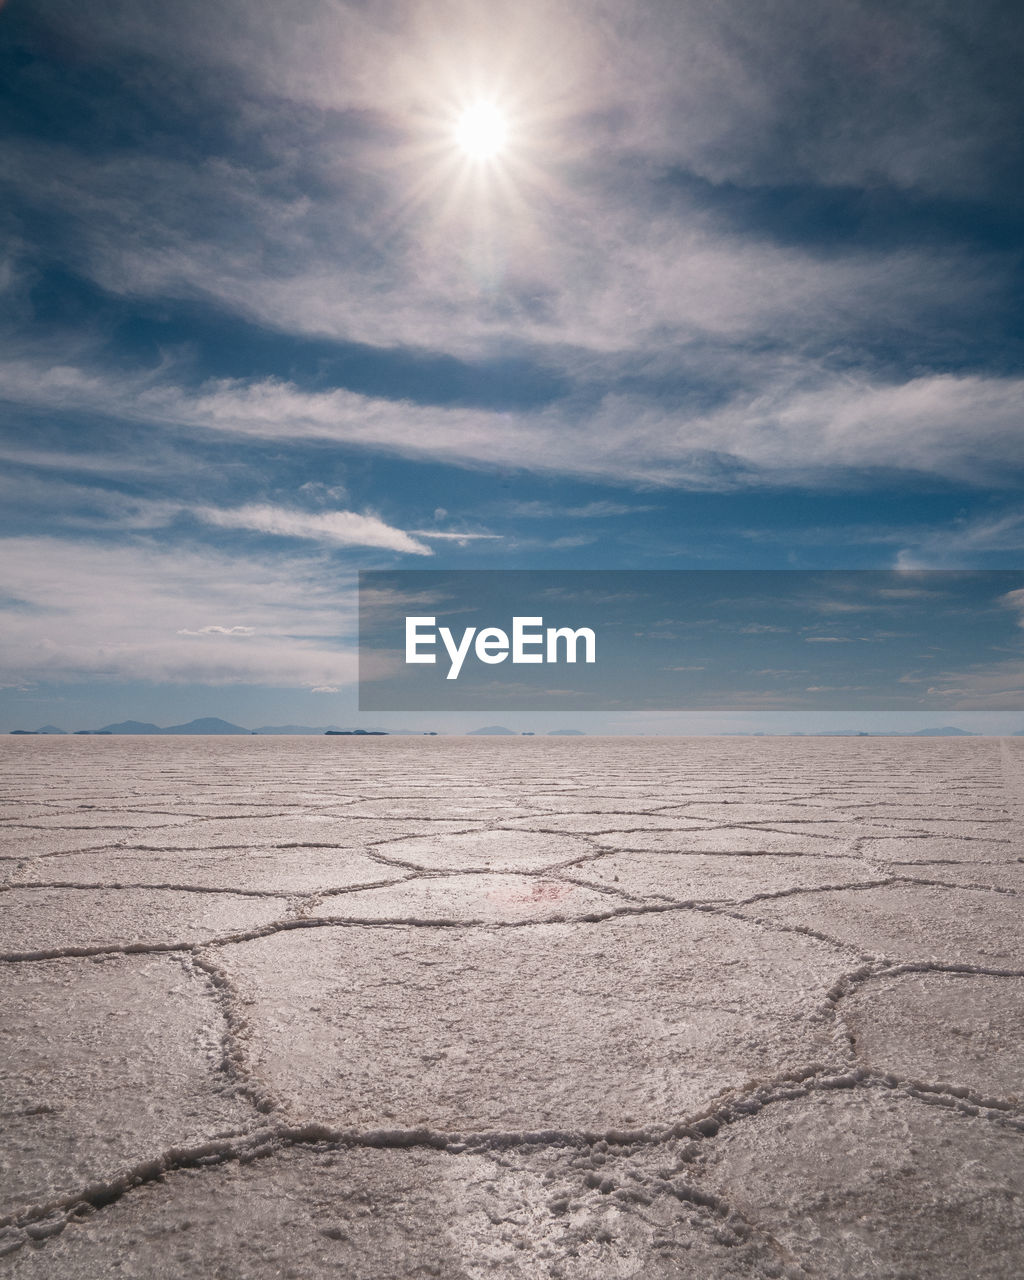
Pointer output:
x,y
578,1009
279,872
35,923
547,1026
470,899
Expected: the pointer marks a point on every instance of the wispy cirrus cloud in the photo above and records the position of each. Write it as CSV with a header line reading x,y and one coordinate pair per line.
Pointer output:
x,y
962,542
1015,600
621,253
98,507
341,528
452,535
722,309
685,83
789,435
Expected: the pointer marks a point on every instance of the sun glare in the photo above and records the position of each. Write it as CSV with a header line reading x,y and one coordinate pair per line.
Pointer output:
x,y
481,131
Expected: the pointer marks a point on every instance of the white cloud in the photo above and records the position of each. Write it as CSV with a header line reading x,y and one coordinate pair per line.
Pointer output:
x,y
215,630
623,268
986,686
881,94
593,271
116,612
320,492
103,464
93,507
790,434
960,544
450,535
1015,600
393,250
341,528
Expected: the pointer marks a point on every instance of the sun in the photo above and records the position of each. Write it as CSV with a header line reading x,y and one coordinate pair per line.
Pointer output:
x,y
482,131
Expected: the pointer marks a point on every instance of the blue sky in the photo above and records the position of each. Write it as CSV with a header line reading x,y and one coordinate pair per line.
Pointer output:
x,y
924,641
743,290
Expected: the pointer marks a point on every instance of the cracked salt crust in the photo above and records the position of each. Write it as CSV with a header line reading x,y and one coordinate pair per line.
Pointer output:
x,y
468,899
910,922
597,823
623,1022
929,849
105,1064
296,831
966,1030
495,850
719,877
969,874
54,920
272,872
572,1009
867,1186
728,840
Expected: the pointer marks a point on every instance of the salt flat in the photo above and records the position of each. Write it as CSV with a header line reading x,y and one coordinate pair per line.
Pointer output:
x,y
569,1008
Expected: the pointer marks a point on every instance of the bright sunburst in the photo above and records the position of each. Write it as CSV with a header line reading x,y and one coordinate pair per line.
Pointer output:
x,y
482,131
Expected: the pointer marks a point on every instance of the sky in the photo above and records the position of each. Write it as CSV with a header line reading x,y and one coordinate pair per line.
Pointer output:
x,y
740,289
924,641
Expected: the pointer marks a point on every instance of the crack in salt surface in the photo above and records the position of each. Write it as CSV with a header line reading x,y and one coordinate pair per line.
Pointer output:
x,y
977,886
98,886
282,925
731,1107
735,1106
633,906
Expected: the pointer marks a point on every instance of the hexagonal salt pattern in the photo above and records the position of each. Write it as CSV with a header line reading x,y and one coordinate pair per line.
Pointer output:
x,y
572,1008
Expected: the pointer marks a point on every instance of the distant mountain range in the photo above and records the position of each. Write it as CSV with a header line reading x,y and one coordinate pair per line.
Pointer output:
x,y
213,725
209,725
947,731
